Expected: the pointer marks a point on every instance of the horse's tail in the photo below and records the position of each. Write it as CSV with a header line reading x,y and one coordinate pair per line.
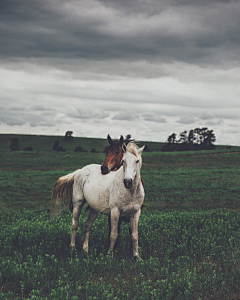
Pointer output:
x,y
62,187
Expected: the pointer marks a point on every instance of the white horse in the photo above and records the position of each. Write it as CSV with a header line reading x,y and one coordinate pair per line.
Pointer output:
x,y
118,194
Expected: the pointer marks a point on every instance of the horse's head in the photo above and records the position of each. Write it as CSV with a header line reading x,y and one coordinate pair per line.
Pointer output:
x,y
113,160
132,163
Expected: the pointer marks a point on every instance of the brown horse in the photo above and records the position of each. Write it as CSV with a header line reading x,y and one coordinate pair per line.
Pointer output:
x,y
114,155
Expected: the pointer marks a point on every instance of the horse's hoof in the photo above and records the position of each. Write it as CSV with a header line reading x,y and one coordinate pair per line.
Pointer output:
x,y
137,258
109,255
84,253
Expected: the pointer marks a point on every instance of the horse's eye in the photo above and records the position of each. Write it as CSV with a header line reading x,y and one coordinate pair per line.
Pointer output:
x,y
137,161
123,161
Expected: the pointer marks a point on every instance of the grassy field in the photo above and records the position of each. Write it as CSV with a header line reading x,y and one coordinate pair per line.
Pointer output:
x,y
188,232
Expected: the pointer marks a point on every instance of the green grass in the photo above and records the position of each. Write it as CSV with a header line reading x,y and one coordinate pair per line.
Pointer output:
x,y
179,180
188,232
186,255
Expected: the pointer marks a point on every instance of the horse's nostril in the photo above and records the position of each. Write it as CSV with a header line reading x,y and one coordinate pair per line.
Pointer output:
x,y
104,169
127,183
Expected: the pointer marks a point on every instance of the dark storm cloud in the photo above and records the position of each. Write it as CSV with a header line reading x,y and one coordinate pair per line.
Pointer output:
x,y
187,31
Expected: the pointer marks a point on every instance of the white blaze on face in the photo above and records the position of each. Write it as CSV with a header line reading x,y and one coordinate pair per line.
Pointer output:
x,y
132,162
130,167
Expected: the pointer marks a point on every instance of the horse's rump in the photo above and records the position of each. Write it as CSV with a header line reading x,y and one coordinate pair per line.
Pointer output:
x,y
63,187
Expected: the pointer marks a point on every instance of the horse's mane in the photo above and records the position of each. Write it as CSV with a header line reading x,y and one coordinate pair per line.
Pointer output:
x,y
133,148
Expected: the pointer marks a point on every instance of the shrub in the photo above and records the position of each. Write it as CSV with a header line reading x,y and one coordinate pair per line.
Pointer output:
x,y
28,149
57,147
80,149
14,146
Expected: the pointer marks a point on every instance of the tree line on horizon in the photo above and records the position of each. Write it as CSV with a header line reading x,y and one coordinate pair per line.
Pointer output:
x,y
194,139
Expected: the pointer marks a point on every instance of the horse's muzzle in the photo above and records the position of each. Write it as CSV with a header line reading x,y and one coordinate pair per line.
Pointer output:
x,y
127,183
104,170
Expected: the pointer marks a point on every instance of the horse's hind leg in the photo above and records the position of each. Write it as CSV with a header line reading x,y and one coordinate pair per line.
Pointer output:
x,y
77,207
88,225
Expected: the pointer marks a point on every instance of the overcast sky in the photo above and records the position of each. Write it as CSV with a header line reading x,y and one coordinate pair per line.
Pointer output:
x,y
145,68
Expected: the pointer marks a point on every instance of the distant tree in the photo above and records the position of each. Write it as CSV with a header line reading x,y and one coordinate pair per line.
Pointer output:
x,y
210,138
195,139
204,138
198,136
172,139
170,143
93,150
68,135
191,139
57,147
15,145
128,139
183,139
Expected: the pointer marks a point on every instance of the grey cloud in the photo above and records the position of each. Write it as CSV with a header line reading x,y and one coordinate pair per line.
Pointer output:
x,y
125,116
104,31
154,118
12,118
206,116
215,123
86,114
40,108
187,120
155,59
16,107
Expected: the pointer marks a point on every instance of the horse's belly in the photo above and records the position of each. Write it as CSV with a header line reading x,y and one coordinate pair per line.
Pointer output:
x,y
97,197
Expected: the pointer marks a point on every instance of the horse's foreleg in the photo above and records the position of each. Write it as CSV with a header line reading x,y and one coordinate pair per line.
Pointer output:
x,y
114,229
134,233
88,225
77,207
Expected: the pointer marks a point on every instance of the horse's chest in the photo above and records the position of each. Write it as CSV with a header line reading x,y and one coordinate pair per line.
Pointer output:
x,y
129,210
127,204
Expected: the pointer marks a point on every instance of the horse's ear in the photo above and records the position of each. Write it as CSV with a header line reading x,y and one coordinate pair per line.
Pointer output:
x,y
121,140
124,147
110,141
140,150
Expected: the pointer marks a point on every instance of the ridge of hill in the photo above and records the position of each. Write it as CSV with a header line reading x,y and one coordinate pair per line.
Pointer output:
x,y
45,143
